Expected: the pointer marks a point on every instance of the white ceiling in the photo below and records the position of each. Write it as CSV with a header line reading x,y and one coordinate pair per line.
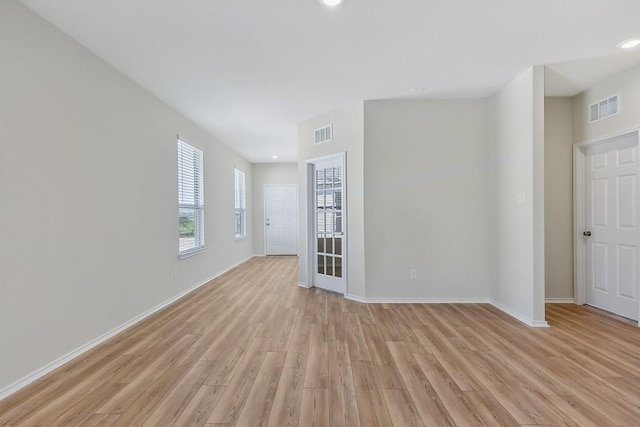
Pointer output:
x,y
248,71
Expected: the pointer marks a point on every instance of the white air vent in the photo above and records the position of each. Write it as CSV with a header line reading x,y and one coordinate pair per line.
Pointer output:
x,y
323,134
604,108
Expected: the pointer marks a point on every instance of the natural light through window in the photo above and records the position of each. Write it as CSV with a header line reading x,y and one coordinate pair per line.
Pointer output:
x,y
190,200
240,205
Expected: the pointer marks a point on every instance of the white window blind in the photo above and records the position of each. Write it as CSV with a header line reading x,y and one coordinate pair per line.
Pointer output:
x,y
240,204
190,199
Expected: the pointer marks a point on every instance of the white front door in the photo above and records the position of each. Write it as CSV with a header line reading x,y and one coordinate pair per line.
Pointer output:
x,y
611,218
329,236
281,219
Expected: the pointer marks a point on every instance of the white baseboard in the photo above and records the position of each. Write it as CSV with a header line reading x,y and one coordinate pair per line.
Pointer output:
x,y
539,324
418,300
355,298
499,306
529,322
559,301
39,373
303,285
524,319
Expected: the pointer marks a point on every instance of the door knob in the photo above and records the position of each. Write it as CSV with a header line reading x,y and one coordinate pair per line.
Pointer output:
x,y
586,233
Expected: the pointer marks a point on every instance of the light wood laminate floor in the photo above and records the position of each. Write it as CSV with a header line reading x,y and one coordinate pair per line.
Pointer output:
x,y
252,348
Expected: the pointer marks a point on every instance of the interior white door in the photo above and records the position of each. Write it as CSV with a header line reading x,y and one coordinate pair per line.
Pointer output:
x,y
281,219
328,194
611,218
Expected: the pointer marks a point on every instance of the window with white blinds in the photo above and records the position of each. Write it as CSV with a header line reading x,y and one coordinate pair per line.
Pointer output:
x,y
240,205
190,200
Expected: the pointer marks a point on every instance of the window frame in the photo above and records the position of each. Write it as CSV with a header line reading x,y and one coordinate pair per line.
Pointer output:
x,y
240,204
190,195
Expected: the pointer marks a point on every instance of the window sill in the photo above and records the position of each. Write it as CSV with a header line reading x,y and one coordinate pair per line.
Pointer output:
x,y
240,238
190,253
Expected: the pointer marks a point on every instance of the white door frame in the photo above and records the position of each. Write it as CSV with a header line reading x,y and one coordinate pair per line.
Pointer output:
x,y
264,212
579,208
309,205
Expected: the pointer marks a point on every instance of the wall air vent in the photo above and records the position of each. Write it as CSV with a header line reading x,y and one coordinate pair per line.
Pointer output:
x,y
323,134
604,108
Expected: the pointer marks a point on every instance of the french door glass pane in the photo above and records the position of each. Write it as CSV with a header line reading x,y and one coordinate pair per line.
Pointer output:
x,y
337,178
320,199
329,222
320,224
337,199
320,179
329,246
328,189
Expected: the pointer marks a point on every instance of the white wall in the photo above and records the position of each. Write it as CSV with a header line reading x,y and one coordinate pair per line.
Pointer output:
x,y
516,182
88,223
558,196
348,137
627,84
426,206
454,189
538,299
264,174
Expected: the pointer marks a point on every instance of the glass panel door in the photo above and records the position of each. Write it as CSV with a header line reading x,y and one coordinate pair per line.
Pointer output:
x,y
328,227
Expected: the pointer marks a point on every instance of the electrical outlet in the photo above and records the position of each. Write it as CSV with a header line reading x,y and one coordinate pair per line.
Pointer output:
x,y
413,273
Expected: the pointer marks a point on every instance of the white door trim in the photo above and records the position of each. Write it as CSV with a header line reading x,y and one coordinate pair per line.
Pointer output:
x,y
264,212
579,207
309,207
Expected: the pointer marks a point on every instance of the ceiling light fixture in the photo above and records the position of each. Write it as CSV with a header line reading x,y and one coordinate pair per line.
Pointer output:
x,y
630,44
330,3
274,157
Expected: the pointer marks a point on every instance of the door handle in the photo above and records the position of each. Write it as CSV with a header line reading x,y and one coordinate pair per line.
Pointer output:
x,y
586,233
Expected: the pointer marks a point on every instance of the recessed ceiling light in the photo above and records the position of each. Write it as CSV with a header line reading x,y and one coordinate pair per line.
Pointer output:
x,y
331,3
274,157
630,44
